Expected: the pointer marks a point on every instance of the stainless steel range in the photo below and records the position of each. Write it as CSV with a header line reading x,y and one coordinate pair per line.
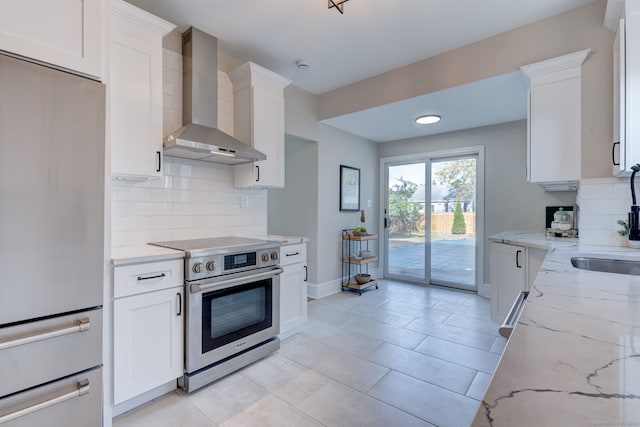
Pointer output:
x,y
233,305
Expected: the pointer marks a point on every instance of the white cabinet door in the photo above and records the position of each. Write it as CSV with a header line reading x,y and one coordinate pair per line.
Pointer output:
x,y
619,146
632,83
293,298
148,342
268,137
535,258
136,92
508,277
259,122
65,33
555,121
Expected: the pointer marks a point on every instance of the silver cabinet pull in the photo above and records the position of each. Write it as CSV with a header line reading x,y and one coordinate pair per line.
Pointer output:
x,y
82,388
81,326
513,315
292,253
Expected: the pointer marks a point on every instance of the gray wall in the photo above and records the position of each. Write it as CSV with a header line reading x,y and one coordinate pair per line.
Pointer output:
x,y
293,210
511,203
334,147
574,30
337,148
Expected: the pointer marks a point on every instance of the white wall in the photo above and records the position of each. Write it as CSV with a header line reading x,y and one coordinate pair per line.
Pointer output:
x,y
193,199
511,203
603,202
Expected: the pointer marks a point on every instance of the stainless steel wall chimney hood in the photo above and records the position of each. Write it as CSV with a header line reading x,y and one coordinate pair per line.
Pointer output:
x,y
200,138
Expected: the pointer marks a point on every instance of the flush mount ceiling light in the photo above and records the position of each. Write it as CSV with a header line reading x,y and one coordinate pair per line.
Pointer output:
x,y
338,4
428,119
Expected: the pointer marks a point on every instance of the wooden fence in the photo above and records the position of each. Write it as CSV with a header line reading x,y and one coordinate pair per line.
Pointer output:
x,y
441,222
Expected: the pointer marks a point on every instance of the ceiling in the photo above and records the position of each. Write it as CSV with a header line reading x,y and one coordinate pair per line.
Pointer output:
x,y
372,37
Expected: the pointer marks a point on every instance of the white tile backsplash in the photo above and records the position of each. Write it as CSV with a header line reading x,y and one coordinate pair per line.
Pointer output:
x,y
603,201
184,207
194,199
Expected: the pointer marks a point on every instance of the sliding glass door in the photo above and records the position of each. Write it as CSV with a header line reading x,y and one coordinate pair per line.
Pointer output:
x,y
453,222
406,233
431,217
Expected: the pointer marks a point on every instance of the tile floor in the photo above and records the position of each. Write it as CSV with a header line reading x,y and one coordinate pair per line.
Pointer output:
x,y
402,355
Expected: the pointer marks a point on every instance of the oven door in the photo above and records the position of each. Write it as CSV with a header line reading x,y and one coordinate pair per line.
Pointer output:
x,y
230,314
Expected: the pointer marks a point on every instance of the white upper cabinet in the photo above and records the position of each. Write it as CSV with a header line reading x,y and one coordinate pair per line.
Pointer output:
x,y
64,33
626,89
135,90
554,142
259,122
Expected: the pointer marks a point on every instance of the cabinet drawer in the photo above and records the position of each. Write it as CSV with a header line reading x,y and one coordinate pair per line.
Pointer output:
x,y
72,401
292,254
152,276
51,348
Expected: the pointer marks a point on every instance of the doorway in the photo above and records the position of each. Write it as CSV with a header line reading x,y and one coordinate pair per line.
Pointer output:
x,y
432,232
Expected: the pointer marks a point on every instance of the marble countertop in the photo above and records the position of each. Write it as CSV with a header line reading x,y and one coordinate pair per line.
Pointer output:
x,y
533,239
574,357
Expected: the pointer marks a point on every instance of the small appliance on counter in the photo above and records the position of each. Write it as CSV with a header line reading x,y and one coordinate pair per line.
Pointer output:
x,y
634,211
561,222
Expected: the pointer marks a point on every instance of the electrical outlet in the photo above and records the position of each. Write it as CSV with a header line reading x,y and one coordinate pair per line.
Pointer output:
x,y
369,204
244,201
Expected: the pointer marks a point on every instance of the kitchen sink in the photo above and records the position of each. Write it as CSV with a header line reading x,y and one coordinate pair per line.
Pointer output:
x,y
620,266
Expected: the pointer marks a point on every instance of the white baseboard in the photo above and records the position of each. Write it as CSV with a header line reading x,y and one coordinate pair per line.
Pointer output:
x,y
484,290
148,396
317,291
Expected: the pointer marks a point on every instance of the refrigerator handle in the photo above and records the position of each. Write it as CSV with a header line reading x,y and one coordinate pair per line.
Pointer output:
x,y
83,387
81,326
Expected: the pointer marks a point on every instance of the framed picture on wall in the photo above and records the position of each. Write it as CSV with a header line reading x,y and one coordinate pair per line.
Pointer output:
x,y
349,188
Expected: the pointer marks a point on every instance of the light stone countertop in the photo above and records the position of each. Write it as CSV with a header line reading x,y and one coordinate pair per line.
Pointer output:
x,y
149,253
283,240
574,357
142,253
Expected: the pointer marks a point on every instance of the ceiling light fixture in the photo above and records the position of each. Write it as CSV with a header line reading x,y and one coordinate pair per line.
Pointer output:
x,y
428,119
338,4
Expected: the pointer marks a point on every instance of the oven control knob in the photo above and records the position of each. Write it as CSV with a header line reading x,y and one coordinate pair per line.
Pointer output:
x,y
197,267
274,256
265,257
211,265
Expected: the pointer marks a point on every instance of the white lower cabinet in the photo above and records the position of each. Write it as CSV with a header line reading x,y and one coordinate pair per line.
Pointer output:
x,y
293,288
148,328
513,269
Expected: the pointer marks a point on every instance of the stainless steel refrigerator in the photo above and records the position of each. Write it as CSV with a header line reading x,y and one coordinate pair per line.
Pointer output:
x,y
51,246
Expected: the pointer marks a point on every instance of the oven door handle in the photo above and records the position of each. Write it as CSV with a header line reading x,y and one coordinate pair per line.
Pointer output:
x,y
513,315
196,288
